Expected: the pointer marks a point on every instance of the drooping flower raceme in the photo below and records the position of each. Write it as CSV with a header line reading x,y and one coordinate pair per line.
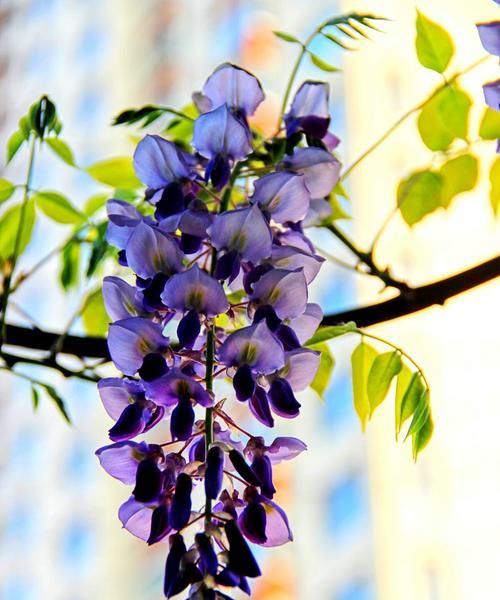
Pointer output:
x,y
228,277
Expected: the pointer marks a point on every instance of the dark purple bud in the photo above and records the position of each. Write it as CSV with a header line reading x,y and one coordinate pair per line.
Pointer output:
x,y
189,574
262,468
259,405
180,510
218,171
214,472
268,313
190,243
148,481
188,329
129,424
244,383
122,258
156,416
244,586
177,551
287,337
241,559
253,522
159,524
242,468
208,557
197,450
282,399
152,292
171,201
182,420
254,275
153,366
315,126
228,578
228,266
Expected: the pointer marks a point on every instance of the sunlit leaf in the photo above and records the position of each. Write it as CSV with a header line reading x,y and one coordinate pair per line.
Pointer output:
x,y
14,143
287,37
94,203
495,186
9,223
419,195
322,379
421,414
444,118
70,265
337,211
115,172
58,401
61,149
100,249
361,362
336,41
433,44
94,316
489,128
459,175
58,208
35,398
383,370
421,438
327,333
409,390
6,190
322,64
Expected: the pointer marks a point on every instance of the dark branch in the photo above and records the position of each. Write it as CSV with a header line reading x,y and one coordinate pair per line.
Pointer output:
x,y
408,302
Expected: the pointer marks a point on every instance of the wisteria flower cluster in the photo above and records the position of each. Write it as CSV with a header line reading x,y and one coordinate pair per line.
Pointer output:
x,y
228,275
489,34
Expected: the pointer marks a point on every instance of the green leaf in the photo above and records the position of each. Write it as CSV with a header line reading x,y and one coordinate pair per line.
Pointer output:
x,y
421,438
444,118
287,37
322,64
61,149
433,44
70,259
327,333
409,390
383,370
115,172
339,190
361,362
58,401
94,316
421,414
336,41
35,398
321,381
9,223
337,211
419,195
58,208
100,249
14,143
6,190
94,203
489,129
495,186
459,175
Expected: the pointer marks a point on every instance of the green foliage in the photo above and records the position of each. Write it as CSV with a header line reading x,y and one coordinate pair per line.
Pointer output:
x,y
61,149
148,114
495,185
459,175
409,390
115,172
94,316
287,37
35,398
361,362
95,203
433,44
99,249
56,398
70,265
14,143
337,211
6,190
383,370
9,223
489,129
322,379
419,194
322,64
444,118
58,208
328,333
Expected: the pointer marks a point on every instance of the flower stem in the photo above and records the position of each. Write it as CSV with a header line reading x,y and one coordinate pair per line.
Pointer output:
x,y
17,242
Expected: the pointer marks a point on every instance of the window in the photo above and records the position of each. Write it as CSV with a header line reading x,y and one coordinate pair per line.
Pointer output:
x,y
347,509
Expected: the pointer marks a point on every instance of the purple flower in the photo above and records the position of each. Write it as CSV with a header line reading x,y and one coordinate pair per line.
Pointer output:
x,y
123,218
319,211
175,385
301,366
131,339
235,87
243,230
320,169
489,34
150,251
492,94
116,394
309,111
292,258
121,460
120,299
285,291
284,196
306,324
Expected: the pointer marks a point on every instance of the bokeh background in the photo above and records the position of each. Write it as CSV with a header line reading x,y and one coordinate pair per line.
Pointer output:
x,y
369,524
